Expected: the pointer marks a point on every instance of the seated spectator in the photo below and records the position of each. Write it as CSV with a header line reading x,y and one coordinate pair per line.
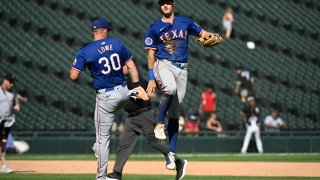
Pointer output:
x,y
273,123
213,123
193,120
227,21
181,123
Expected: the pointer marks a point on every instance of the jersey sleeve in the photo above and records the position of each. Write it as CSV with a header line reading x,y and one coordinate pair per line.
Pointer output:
x,y
79,62
125,55
150,39
194,29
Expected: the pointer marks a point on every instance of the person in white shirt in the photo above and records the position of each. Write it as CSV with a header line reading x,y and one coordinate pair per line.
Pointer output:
x,y
273,123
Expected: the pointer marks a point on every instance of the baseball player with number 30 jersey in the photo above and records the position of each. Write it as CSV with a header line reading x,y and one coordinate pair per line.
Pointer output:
x,y
166,41
104,58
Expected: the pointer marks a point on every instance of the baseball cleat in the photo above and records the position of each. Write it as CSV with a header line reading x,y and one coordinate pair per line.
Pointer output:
x,y
170,158
6,169
181,168
159,132
114,176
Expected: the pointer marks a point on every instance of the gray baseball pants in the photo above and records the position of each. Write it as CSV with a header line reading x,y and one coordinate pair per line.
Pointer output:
x,y
106,105
172,80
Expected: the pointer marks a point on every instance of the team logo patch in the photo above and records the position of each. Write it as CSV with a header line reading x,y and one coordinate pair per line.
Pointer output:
x,y
74,62
148,41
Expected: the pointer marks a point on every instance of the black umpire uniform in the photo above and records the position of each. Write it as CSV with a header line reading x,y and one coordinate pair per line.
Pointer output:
x,y
141,120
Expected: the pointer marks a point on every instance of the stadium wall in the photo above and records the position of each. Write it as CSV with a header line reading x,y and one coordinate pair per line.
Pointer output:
x,y
185,145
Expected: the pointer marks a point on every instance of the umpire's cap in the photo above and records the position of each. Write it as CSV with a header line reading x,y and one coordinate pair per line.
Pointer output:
x,y
100,23
11,78
160,2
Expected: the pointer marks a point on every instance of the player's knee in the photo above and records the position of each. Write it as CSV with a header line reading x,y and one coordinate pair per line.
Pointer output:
x,y
170,90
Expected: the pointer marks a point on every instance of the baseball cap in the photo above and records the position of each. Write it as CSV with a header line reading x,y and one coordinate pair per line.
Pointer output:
x,y
100,23
162,1
11,78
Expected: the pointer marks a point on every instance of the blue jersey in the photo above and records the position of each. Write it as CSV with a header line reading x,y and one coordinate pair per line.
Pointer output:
x,y
104,59
171,40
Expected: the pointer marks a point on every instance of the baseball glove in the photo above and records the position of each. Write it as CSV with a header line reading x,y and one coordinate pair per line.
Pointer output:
x,y
139,93
211,41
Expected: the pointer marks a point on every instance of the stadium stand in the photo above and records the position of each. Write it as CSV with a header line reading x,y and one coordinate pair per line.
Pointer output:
x,y
41,37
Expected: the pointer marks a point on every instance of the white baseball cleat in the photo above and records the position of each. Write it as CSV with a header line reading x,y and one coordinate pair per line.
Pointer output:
x,y
159,132
171,158
6,169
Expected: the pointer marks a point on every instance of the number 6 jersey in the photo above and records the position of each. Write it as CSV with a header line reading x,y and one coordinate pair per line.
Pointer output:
x,y
104,59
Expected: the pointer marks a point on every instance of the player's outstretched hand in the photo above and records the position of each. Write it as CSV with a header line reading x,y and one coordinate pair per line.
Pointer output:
x,y
142,94
151,87
138,93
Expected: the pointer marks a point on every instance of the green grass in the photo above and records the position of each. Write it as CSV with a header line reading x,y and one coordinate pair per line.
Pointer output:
x,y
134,177
267,157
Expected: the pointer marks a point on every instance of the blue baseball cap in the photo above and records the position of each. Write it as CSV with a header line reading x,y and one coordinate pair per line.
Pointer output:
x,y
100,23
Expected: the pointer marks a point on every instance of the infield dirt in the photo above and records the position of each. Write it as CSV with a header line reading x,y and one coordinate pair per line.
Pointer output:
x,y
297,169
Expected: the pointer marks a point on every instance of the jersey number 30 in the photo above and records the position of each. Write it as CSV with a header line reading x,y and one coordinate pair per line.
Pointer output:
x,y
115,63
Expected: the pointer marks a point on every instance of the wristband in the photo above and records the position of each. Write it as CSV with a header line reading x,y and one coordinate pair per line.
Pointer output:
x,y
136,84
151,75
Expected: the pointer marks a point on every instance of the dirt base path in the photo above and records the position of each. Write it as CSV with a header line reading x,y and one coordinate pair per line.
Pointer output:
x,y
158,167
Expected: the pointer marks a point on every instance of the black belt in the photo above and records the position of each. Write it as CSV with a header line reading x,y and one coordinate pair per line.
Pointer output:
x,y
139,111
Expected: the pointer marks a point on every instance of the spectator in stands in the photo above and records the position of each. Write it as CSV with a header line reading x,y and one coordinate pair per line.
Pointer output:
x,y
207,103
244,85
250,114
193,120
9,104
227,22
182,123
213,123
273,123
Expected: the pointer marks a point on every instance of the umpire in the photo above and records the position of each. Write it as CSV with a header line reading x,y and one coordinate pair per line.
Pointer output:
x,y
141,120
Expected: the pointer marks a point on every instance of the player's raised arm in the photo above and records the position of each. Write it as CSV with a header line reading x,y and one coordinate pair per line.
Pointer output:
x,y
151,60
132,69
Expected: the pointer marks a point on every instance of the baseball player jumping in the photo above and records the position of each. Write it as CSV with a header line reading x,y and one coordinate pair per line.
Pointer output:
x,y
166,41
105,57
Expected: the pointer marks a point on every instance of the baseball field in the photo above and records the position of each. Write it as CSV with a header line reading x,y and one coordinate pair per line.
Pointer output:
x,y
150,166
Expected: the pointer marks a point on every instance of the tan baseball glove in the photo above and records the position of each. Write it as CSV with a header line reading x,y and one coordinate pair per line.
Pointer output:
x,y
211,41
139,93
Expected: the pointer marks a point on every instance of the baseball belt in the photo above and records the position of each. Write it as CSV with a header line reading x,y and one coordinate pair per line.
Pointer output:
x,y
178,65
139,111
111,88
